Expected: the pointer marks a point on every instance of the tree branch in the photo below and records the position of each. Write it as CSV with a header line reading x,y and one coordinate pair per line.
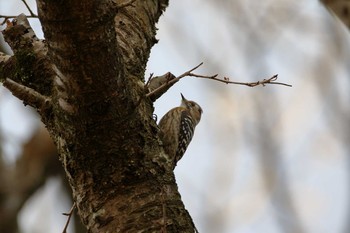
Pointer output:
x,y
28,95
158,85
19,34
226,80
6,17
30,10
69,214
339,8
29,66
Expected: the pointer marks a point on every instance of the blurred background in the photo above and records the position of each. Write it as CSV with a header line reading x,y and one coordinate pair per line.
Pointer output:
x,y
264,159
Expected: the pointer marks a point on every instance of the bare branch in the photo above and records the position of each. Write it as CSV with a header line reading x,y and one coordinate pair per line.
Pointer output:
x,y
6,17
69,214
17,30
30,10
157,86
252,84
30,65
27,95
149,79
187,73
167,80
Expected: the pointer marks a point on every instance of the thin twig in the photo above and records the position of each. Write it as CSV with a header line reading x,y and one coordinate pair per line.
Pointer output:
x,y
28,95
149,79
172,81
6,17
30,10
69,214
226,80
187,73
252,84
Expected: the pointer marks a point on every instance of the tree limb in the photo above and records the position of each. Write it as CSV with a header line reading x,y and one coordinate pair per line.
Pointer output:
x,y
158,85
264,82
339,8
69,214
29,66
6,17
28,95
30,10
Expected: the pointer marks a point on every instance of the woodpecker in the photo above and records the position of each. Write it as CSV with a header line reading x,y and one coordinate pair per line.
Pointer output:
x,y
177,128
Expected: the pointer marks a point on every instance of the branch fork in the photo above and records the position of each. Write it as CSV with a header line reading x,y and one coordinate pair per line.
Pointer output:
x,y
28,72
28,95
157,86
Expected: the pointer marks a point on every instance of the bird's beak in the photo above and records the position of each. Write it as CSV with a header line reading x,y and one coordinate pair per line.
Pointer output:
x,y
183,98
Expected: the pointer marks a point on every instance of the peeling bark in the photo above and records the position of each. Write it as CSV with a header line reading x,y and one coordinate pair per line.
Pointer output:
x,y
96,110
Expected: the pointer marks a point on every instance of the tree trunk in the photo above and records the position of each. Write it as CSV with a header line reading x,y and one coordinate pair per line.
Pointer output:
x,y
87,82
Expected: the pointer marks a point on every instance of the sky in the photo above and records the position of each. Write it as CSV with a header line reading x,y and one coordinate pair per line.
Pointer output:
x,y
250,141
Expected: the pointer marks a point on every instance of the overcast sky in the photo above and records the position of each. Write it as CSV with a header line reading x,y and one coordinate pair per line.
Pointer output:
x,y
253,144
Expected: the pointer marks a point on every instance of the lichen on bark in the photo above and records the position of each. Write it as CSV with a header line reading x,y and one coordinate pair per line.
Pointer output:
x,y
93,102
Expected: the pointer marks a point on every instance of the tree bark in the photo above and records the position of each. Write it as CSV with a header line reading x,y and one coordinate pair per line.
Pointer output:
x,y
86,80
341,8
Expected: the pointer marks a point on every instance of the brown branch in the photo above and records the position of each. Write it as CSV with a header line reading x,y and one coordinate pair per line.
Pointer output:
x,y
28,95
29,66
6,17
154,84
30,10
19,34
149,79
167,82
252,84
32,15
69,214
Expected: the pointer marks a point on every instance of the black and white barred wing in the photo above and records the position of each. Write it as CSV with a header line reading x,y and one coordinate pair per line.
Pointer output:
x,y
185,136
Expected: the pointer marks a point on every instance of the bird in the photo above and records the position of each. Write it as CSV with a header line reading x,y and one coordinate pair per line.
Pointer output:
x,y
177,128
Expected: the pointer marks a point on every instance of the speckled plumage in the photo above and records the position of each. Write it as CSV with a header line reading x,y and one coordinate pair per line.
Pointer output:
x,y
177,128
